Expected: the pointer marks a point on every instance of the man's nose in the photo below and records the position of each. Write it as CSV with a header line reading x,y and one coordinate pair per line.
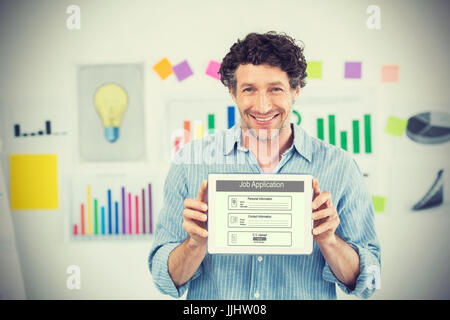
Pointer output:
x,y
263,104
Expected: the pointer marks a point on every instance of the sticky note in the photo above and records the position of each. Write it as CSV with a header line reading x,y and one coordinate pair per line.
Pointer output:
x,y
389,73
213,69
379,203
34,181
314,69
352,70
163,68
396,126
182,70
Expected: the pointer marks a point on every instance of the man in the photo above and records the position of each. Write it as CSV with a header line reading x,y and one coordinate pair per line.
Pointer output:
x,y
264,74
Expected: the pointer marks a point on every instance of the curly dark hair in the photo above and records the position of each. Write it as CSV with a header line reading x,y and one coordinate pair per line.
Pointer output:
x,y
272,48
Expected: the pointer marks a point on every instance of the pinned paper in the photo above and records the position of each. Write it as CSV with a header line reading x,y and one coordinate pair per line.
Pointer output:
x,y
182,70
163,68
379,203
396,126
34,181
352,70
314,69
389,73
213,69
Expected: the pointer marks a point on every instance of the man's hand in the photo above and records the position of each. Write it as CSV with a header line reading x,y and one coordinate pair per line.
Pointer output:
x,y
326,219
194,217
185,259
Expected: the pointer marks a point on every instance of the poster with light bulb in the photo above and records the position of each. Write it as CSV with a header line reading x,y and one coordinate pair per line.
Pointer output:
x,y
111,112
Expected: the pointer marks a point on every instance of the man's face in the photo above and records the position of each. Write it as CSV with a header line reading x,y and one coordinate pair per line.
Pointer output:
x,y
264,99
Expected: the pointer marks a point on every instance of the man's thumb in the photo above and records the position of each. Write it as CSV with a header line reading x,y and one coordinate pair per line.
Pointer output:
x,y
202,192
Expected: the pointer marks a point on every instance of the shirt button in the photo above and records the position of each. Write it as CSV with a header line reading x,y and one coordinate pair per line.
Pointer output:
x,y
259,258
256,295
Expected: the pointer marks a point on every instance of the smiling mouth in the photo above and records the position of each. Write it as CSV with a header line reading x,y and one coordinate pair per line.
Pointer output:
x,y
264,119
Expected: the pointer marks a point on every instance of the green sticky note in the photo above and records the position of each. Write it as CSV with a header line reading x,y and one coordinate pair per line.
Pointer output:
x,y
396,126
314,69
379,203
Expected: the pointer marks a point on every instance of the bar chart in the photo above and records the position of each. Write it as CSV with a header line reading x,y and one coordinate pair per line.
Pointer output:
x,y
344,118
46,131
111,208
343,136
190,120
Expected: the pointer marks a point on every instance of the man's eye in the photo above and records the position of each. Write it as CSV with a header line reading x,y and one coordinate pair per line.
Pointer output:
x,y
247,89
277,89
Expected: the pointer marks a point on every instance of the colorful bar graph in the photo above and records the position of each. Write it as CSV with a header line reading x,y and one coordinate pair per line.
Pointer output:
x,y
231,116
355,124
343,135
110,215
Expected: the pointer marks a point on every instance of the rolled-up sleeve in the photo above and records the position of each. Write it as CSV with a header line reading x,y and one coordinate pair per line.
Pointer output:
x,y
357,229
169,233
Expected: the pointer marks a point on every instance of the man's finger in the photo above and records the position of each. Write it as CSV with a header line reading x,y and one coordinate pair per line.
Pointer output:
x,y
316,190
194,215
324,213
330,224
193,229
321,199
202,192
195,204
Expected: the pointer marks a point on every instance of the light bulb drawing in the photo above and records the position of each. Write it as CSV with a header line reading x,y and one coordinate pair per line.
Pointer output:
x,y
111,101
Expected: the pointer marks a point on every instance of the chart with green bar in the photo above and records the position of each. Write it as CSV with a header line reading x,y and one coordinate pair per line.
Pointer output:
x,y
358,145
345,117
109,206
194,119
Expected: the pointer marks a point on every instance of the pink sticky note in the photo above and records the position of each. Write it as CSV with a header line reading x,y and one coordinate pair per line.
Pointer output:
x,y
389,73
213,69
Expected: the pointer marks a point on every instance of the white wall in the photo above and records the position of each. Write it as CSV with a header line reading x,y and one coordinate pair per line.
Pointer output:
x,y
38,74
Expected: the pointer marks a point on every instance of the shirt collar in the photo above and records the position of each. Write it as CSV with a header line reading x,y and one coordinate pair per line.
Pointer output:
x,y
302,142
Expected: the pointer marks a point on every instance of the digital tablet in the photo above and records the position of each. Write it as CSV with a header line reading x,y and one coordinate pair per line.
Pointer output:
x,y
260,214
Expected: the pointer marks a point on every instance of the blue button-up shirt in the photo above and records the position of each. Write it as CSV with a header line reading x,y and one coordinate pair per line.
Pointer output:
x,y
237,276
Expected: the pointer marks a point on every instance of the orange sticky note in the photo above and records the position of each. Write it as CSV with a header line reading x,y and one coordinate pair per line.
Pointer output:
x,y
163,68
389,73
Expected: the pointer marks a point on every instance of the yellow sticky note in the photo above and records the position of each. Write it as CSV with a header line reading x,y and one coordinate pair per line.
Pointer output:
x,y
163,68
34,181
314,69
379,203
396,126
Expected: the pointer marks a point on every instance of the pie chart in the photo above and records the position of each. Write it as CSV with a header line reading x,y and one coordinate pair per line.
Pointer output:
x,y
429,127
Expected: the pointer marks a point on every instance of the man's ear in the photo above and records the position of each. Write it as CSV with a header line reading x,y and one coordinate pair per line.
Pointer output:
x,y
297,91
